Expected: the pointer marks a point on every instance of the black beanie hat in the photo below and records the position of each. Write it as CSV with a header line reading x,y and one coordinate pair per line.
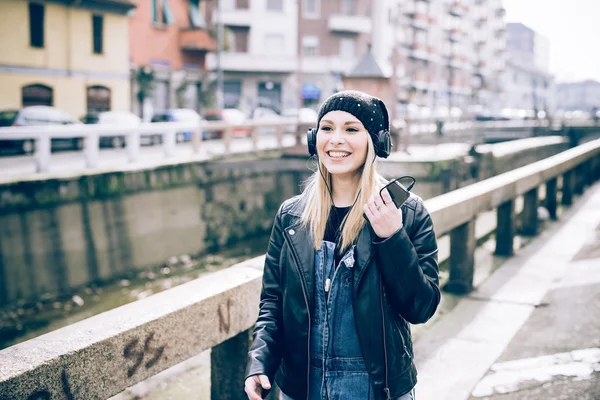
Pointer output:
x,y
368,109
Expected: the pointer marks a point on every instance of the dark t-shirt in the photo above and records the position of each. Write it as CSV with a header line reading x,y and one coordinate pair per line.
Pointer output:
x,y
332,230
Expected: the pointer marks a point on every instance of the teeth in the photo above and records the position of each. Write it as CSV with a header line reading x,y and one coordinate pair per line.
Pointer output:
x,y
338,154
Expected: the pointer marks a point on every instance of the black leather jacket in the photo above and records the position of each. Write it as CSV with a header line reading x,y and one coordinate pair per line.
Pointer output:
x,y
405,265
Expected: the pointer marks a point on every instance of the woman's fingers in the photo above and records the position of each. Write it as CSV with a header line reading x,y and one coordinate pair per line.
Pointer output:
x,y
387,198
255,385
264,382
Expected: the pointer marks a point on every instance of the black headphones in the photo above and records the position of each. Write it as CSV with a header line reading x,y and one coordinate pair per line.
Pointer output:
x,y
382,142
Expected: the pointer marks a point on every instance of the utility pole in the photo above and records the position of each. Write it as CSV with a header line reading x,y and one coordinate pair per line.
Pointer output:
x,y
299,59
220,104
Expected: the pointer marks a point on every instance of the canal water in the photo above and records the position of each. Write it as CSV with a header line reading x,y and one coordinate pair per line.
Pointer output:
x,y
22,322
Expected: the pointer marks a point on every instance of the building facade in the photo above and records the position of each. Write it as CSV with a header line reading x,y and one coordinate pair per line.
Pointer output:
x,y
259,58
64,54
169,41
528,86
333,35
448,53
578,96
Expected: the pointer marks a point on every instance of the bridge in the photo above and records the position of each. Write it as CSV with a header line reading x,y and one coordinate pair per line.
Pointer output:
x,y
107,353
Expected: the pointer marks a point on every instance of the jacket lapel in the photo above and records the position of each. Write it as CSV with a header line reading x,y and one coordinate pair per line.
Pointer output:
x,y
301,245
364,252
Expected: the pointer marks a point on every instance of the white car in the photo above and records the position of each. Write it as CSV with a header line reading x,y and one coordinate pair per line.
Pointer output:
x,y
306,116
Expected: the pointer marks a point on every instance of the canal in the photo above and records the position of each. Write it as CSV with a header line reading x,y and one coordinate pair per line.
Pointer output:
x,y
21,322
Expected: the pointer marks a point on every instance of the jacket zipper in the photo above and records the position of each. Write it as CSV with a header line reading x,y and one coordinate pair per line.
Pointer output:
x,y
309,320
387,384
401,337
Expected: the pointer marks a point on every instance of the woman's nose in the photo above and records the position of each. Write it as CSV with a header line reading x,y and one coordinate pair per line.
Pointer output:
x,y
337,136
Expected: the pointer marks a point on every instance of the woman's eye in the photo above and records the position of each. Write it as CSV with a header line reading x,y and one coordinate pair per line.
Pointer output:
x,y
352,130
325,128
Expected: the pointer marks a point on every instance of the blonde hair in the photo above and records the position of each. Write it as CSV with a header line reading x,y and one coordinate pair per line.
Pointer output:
x,y
318,205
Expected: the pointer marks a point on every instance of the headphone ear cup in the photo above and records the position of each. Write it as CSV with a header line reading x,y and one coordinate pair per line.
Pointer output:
x,y
383,146
311,140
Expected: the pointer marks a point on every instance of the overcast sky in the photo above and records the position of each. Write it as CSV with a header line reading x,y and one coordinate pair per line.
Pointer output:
x,y
573,29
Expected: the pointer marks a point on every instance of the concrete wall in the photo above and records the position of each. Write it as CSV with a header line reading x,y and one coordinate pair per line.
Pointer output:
x,y
60,234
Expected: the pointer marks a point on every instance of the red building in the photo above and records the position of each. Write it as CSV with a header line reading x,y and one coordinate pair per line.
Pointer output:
x,y
168,45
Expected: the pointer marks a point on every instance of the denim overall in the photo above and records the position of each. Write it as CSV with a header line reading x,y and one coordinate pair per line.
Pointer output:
x,y
337,369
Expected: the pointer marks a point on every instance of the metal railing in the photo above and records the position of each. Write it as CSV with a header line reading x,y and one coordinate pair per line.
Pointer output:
x,y
43,135
168,131
105,354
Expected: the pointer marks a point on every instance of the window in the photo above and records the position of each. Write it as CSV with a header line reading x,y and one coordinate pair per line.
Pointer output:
x,y
348,7
347,48
161,12
98,99
232,93
275,5
237,39
36,95
311,8
310,46
98,32
242,4
36,25
274,44
197,20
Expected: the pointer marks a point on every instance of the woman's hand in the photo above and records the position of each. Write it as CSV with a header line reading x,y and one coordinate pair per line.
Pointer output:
x,y
383,215
255,385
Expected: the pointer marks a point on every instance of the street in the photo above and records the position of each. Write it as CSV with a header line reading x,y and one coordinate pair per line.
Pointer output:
x,y
530,331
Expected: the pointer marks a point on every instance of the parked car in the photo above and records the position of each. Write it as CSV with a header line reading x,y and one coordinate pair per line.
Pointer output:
x,y
117,118
180,115
304,115
264,114
37,116
229,116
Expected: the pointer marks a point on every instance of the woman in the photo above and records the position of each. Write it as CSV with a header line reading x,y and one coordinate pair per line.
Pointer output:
x,y
345,271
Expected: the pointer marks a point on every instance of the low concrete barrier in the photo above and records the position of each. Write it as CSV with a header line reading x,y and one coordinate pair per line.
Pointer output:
x,y
105,354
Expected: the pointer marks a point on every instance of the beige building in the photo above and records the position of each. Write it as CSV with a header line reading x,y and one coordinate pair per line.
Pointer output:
x,y
73,57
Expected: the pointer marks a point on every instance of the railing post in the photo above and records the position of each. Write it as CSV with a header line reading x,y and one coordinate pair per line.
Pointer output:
x,y
505,229
588,171
567,188
254,137
228,367
579,179
227,137
299,133
133,146
196,140
91,150
43,148
462,258
530,215
550,201
279,131
169,142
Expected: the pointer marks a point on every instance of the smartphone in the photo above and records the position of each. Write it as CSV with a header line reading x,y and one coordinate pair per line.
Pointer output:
x,y
398,193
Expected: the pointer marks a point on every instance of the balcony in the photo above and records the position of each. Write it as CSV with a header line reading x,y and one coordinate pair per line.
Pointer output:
x,y
196,40
246,62
349,23
455,35
456,9
420,21
235,17
500,12
420,52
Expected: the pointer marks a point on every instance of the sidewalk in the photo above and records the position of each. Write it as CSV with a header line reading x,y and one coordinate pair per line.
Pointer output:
x,y
532,329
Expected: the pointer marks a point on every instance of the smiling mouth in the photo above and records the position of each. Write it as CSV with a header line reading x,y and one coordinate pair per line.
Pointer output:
x,y
338,154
